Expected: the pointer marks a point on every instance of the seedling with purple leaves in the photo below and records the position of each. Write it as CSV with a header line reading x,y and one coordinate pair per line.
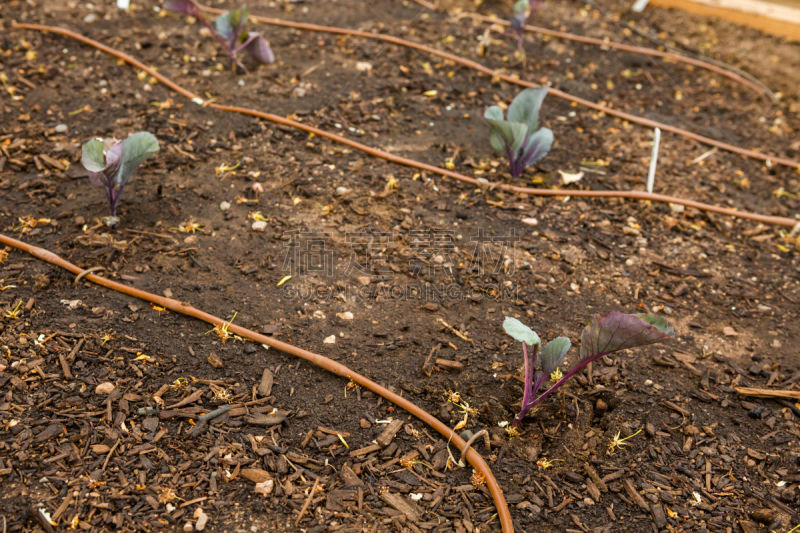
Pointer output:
x,y
229,31
523,9
604,335
520,137
111,164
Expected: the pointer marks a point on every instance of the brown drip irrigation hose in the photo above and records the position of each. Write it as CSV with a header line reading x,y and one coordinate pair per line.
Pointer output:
x,y
635,195
509,79
558,34
707,63
472,456
175,306
629,48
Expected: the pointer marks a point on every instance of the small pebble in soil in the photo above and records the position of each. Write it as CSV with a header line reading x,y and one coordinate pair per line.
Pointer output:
x,y
224,206
105,388
347,315
91,17
61,128
259,225
330,340
202,519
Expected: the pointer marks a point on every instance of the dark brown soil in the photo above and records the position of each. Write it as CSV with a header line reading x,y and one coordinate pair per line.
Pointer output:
x,y
114,461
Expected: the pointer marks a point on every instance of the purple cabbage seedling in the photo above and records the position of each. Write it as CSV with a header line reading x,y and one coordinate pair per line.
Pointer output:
x,y
523,9
229,31
520,137
605,334
111,164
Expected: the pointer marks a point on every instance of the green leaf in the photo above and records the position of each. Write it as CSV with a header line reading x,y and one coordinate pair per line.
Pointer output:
x,y
241,16
135,149
512,134
525,107
92,156
656,321
224,26
496,141
520,7
553,354
493,113
520,331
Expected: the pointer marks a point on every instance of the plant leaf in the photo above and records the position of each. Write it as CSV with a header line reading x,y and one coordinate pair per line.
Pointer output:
x,y
92,157
259,49
520,7
537,146
521,332
656,321
135,149
553,354
224,26
186,7
238,18
525,107
512,134
518,22
616,331
114,155
493,113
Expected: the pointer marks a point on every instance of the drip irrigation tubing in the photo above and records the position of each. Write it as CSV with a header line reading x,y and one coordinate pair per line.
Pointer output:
x,y
713,67
684,52
634,195
330,365
509,79
683,56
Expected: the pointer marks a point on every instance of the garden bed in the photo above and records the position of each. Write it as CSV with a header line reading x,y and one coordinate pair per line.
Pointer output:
x,y
729,287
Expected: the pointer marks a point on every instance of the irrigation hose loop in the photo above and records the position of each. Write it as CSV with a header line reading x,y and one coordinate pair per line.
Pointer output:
x,y
321,361
634,195
651,124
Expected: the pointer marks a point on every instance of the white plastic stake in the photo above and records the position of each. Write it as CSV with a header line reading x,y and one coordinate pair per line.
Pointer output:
x,y
123,4
651,176
639,6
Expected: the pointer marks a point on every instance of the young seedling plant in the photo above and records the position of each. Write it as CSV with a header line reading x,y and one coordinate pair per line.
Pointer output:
x,y
228,29
523,9
520,137
604,335
111,164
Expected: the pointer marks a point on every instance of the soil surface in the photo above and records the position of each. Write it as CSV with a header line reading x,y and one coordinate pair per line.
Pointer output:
x,y
403,277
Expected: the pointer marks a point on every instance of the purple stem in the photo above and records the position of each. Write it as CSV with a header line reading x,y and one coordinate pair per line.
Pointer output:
x,y
568,375
243,45
529,393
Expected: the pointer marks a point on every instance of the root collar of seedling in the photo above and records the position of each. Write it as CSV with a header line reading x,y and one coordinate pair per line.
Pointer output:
x,y
555,92
635,195
473,457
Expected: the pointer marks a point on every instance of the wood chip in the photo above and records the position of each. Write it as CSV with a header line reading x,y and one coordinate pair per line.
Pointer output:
x,y
386,438
256,475
635,496
366,450
407,507
768,393
659,517
450,365
267,379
